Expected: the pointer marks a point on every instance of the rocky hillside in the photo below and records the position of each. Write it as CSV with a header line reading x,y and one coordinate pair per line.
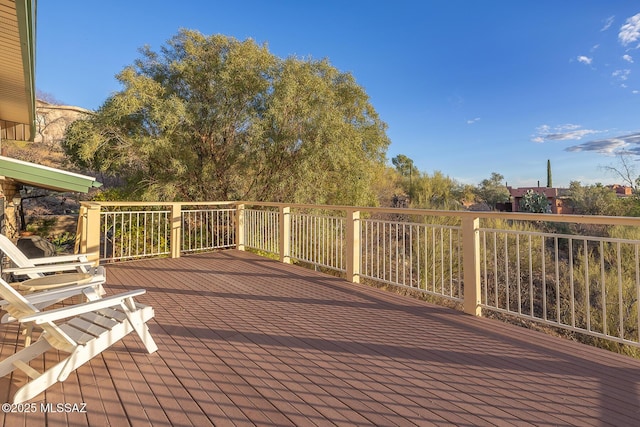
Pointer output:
x,y
51,123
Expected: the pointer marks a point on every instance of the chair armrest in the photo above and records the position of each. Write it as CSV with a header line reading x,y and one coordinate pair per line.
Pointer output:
x,y
59,259
44,296
54,294
74,310
54,281
91,292
52,268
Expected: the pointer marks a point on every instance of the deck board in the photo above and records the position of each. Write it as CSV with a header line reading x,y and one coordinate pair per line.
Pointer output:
x,y
244,340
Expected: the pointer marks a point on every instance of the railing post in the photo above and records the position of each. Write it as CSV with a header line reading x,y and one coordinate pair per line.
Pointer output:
x,y
471,265
353,245
240,236
176,229
284,234
88,241
81,235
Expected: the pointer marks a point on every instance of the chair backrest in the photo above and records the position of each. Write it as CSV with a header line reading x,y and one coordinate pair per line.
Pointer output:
x,y
14,253
19,307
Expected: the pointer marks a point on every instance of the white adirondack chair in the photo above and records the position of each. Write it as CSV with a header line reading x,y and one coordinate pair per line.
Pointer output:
x,y
36,267
45,291
90,328
41,294
83,273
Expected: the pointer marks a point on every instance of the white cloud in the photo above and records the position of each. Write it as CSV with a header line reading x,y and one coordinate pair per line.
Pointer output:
x,y
543,129
568,126
621,75
630,31
602,146
567,136
472,121
627,58
608,146
566,132
607,23
585,59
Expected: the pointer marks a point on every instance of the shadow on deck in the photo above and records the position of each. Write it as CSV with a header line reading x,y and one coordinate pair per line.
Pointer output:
x,y
249,341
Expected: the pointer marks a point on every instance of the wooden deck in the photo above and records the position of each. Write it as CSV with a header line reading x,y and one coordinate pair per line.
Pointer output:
x,y
248,341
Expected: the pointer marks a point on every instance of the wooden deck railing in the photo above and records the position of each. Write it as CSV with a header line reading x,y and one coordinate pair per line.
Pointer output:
x,y
580,273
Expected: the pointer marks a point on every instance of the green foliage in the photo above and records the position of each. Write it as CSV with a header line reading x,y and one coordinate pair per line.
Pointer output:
x,y
214,118
110,194
404,165
534,202
493,191
132,236
630,206
42,227
64,242
387,186
436,191
595,200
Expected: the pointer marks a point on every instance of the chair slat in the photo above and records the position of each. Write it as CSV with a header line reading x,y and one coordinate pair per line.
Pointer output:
x,y
99,319
112,313
87,327
79,336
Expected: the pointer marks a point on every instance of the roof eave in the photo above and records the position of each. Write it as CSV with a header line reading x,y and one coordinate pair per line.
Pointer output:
x,y
35,175
26,14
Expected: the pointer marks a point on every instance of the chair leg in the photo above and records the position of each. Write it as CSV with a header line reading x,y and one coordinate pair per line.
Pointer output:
x,y
42,382
25,355
138,321
27,331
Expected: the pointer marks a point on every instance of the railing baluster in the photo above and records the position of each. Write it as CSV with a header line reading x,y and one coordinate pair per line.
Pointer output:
x,y
544,276
620,291
587,286
637,268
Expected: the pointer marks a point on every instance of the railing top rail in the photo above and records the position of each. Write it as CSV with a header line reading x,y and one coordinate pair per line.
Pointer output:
x,y
516,216
134,203
562,236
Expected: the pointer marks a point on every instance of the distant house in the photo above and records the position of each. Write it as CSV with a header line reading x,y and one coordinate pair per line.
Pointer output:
x,y
557,197
621,190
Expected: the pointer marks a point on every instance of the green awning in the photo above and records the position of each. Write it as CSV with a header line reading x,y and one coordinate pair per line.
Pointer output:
x,y
45,177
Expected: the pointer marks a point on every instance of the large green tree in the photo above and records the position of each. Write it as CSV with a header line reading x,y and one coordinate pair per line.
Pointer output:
x,y
214,118
408,173
493,191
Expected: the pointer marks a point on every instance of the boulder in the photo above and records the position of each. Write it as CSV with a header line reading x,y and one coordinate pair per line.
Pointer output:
x,y
36,246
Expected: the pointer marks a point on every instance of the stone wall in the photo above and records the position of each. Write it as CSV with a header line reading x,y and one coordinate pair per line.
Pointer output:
x,y
10,222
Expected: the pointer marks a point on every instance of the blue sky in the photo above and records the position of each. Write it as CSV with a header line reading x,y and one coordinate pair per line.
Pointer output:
x,y
466,87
